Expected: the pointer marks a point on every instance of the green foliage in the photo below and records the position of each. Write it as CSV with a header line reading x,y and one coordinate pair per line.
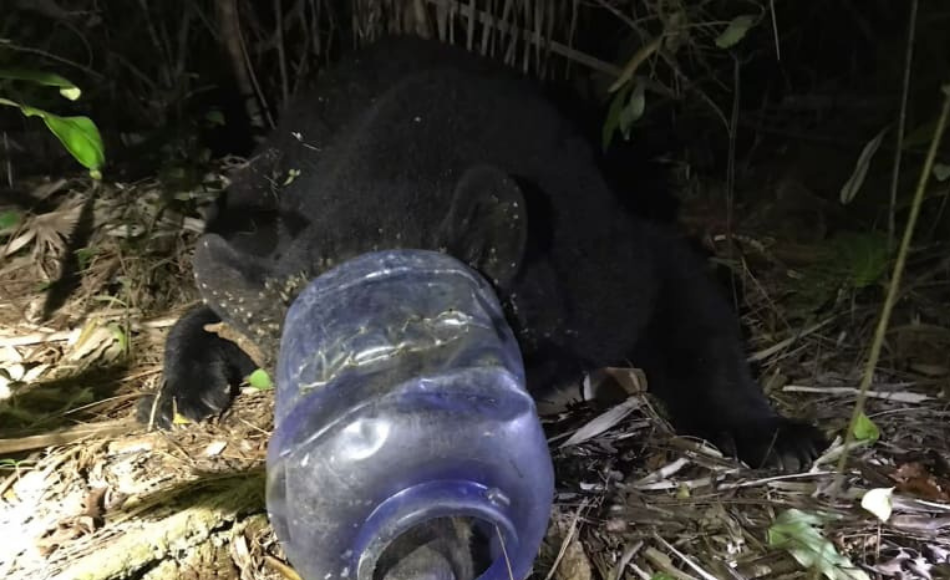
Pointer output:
x,y
215,118
799,533
941,172
736,31
848,262
79,135
861,258
628,103
9,220
626,108
851,187
66,88
84,256
16,463
866,430
260,380
120,336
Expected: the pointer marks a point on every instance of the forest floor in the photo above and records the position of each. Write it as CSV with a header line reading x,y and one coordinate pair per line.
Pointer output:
x,y
95,276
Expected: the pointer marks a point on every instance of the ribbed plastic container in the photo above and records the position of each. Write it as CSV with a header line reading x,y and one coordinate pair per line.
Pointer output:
x,y
400,398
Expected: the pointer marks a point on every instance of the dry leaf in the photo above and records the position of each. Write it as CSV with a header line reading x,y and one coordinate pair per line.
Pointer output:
x,y
603,422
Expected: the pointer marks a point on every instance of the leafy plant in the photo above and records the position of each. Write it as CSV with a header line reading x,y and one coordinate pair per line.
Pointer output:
x,y
260,380
736,30
628,101
799,533
625,109
847,262
9,220
866,430
78,134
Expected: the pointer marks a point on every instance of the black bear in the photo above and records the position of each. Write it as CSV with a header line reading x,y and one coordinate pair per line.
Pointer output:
x,y
415,144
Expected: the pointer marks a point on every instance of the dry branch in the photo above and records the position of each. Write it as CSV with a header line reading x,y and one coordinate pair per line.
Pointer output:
x,y
65,436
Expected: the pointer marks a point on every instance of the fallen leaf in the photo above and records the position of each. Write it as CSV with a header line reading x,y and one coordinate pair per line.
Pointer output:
x,y
603,422
879,501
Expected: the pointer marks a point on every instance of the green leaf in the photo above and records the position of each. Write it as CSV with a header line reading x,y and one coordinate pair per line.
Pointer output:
x,y
9,219
862,257
866,430
260,380
921,135
798,533
292,175
120,336
84,256
941,172
66,87
736,30
81,138
79,135
72,94
632,112
854,183
612,122
215,117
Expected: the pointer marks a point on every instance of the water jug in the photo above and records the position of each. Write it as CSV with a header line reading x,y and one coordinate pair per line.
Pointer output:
x,y
400,398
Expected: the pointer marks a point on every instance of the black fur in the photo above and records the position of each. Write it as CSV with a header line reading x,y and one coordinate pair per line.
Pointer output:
x,y
201,371
416,145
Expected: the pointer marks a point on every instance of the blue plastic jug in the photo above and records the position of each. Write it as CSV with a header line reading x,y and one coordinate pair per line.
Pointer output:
x,y
400,398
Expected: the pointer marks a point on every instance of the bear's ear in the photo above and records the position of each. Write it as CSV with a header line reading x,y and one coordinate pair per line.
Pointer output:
x,y
242,289
487,224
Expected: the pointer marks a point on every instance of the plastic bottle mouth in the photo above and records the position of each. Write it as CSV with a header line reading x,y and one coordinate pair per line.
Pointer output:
x,y
482,512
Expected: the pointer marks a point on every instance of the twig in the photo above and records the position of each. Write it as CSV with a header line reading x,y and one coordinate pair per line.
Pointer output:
x,y
664,472
7,44
567,539
684,558
663,562
892,292
234,45
504,553
283,569
628,553
281,57
897,396
767,352
638,58
778,45
733,128
8,164
486,19
901,122
249,66
767,480
64,436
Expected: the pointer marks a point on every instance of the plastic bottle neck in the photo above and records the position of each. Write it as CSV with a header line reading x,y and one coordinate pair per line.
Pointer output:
x,y
439,499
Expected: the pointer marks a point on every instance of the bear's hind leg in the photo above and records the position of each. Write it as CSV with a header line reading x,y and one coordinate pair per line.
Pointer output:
x,y
696,364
